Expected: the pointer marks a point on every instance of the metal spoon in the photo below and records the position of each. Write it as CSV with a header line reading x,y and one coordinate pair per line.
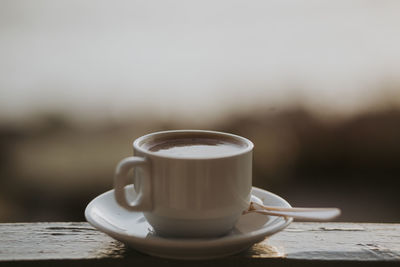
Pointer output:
x,y
315,214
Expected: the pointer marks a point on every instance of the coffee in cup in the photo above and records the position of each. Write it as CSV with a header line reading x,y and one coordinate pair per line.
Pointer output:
x,y
190,183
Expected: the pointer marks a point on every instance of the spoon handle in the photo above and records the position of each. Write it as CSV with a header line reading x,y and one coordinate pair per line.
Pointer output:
x,y
317,214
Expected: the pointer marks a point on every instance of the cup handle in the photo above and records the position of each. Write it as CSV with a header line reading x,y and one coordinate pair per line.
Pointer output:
x,y
143,201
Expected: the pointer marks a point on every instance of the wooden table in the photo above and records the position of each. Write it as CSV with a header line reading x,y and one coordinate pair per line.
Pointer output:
x,y
301,244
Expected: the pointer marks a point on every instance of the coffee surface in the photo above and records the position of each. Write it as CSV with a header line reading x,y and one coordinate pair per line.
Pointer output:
x,y
195,147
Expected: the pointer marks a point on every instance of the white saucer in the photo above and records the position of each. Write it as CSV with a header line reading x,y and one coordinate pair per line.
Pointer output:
x,y
132,229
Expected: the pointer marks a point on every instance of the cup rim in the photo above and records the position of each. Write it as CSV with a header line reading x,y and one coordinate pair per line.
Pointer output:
x,y
138,141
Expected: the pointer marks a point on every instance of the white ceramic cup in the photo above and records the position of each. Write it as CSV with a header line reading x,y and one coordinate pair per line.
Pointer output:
x,y
183,196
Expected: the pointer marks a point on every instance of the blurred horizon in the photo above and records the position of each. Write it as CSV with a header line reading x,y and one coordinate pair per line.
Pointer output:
x,y
173,59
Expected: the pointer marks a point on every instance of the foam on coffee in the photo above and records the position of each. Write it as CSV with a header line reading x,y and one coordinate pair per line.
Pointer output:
x,y
197,147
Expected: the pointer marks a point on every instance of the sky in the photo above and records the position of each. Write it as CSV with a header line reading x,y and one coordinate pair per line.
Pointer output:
x,y
176,58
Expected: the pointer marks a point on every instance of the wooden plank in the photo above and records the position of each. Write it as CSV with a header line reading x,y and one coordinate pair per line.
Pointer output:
x,y
299,244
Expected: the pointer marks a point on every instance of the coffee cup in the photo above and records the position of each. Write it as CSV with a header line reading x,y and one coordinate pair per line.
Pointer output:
x,y
189,183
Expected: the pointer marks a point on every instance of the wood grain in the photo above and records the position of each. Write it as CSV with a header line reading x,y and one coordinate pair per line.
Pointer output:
x,y
300,244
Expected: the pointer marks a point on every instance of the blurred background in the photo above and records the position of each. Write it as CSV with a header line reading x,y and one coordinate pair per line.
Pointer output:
x,y
314,84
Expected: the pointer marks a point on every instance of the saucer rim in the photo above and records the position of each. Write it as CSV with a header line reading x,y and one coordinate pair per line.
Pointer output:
x,y
190,243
